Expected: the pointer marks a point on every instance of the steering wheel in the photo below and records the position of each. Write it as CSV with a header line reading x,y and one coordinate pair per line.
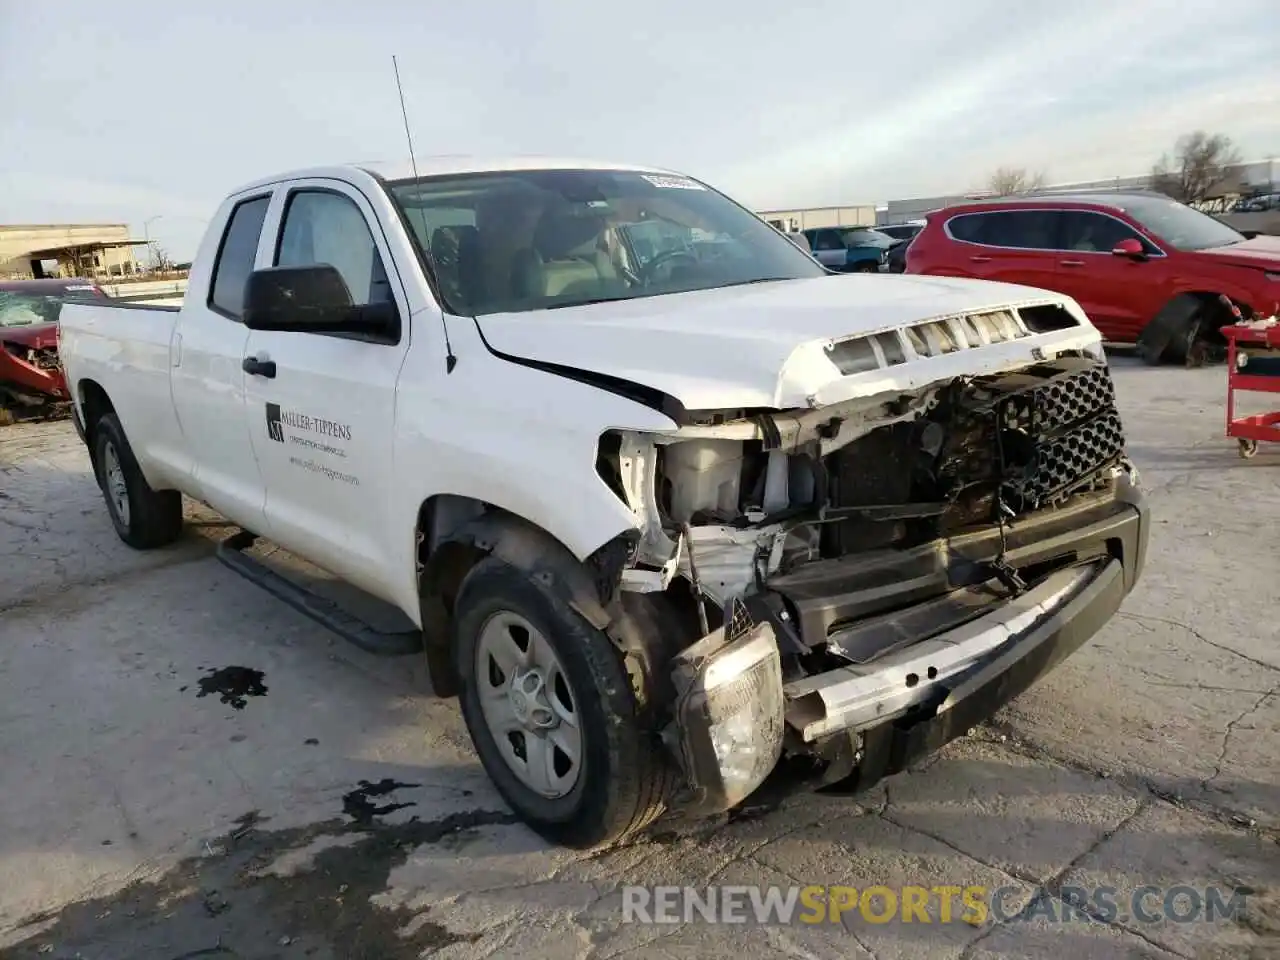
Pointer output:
x,y
648,271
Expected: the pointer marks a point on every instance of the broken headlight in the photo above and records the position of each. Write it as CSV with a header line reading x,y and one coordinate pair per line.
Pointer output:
x,y
728,716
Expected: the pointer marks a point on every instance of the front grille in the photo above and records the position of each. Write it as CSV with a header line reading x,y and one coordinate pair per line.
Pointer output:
x,y
1059,463
1058,433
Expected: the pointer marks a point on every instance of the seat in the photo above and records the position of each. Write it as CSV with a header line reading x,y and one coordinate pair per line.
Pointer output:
x,y
566,260
455,251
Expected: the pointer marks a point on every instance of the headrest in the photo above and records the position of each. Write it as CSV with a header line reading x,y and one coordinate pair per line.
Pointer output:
x,y
560,234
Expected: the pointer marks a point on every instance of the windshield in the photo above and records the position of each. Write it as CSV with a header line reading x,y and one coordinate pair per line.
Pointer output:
x,y
1180,226
863,237
541,239
25,309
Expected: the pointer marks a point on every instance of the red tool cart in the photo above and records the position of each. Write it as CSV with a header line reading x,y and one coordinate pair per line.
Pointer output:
x,y
1253,365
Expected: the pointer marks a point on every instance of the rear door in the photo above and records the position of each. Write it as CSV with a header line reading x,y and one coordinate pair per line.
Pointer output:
x,y
1119,294
1009,246
206,379
323,425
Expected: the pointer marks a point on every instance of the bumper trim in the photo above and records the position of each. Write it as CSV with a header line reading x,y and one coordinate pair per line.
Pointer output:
x,y
863,695
893,746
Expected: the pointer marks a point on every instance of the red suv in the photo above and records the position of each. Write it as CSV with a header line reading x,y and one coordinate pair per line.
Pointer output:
x,y
1146,269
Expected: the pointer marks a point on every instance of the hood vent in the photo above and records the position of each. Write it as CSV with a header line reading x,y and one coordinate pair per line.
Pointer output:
x,y
936,338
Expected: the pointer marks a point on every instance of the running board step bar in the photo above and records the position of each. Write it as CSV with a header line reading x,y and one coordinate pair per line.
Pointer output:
x,y
325,612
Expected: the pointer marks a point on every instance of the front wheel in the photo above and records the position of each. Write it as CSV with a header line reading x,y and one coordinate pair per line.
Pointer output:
x,y
551,712
144,518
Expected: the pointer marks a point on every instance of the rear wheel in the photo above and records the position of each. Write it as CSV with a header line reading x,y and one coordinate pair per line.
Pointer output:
x,y
144,518
551,712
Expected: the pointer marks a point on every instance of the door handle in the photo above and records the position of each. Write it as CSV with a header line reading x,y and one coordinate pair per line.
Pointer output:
x,y
1071,263
979,259
259,368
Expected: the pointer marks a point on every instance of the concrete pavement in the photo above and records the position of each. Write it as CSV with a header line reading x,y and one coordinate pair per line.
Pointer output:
x,y
156,802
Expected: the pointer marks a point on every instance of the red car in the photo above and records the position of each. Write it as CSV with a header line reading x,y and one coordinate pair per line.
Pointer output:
x,y
30,376
1146,269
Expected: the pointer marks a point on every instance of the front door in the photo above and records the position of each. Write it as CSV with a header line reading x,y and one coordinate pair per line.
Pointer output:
x,y
323,425
207,381
1119,294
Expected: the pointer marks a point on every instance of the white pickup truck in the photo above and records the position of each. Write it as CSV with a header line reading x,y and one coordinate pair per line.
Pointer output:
x,y
667,502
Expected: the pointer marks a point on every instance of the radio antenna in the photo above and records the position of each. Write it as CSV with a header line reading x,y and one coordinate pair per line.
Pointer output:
x,y
450,361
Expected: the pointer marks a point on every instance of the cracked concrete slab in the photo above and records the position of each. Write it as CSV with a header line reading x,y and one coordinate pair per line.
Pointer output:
x,y
1167,848
340,811
1027,818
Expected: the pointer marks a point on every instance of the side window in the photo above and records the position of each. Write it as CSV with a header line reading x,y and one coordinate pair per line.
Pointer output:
x,y
1095,232
235,258
1019,229
968,227
324,227
828,240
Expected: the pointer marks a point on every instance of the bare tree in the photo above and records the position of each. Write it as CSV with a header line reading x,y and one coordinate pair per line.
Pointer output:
x,y
1010,181
1199,165
159,258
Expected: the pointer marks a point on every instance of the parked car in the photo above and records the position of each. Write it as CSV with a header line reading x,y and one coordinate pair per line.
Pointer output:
x,y
902,234
659,516
1259,204
849,249
800,240
1146,269
30,377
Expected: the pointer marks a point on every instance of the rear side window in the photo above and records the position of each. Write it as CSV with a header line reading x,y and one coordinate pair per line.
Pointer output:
x,y
236,256
1021,229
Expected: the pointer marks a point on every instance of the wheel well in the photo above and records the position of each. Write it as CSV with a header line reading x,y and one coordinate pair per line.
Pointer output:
x,y
1215,311
94,404
1172,323
454,533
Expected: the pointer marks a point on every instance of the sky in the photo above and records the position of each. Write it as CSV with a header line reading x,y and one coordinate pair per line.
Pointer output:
x,y
149,113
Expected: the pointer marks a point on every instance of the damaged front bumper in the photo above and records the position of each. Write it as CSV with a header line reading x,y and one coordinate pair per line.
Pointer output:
x,y
736,716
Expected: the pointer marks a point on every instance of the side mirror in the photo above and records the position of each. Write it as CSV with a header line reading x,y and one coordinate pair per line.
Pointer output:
x,y
311,299
1130,247
1250,234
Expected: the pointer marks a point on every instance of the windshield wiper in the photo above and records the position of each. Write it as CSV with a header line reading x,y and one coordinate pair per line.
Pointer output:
x,y
584,303
744,283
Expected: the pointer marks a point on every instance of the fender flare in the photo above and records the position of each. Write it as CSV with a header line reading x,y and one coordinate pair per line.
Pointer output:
x,y
590,587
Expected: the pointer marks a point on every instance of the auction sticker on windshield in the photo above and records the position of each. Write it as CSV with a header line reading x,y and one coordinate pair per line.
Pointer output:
x,y
674,183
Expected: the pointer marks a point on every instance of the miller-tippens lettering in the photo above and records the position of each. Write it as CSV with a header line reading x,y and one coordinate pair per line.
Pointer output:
x,y
329,428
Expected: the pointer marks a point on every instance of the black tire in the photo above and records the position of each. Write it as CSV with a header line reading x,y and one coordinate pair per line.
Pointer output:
x,y
624,780
1170,333
153,517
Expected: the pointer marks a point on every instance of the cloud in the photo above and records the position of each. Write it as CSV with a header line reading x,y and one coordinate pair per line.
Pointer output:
x,y
780,104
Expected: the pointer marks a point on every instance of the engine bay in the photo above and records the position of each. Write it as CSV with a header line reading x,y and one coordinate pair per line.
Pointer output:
x,y
749,499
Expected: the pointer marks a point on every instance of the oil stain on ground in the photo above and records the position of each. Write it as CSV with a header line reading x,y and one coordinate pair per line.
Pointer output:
x,y
225,904
233,685
359,804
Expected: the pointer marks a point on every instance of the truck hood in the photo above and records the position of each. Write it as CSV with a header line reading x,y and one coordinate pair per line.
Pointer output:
x,y
768,345
37,336
1261,251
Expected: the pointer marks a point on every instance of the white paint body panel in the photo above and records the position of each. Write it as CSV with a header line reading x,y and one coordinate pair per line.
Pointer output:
x,y
518,437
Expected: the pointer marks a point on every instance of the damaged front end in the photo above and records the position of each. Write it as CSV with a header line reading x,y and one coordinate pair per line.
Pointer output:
x,y
866,579
31,378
